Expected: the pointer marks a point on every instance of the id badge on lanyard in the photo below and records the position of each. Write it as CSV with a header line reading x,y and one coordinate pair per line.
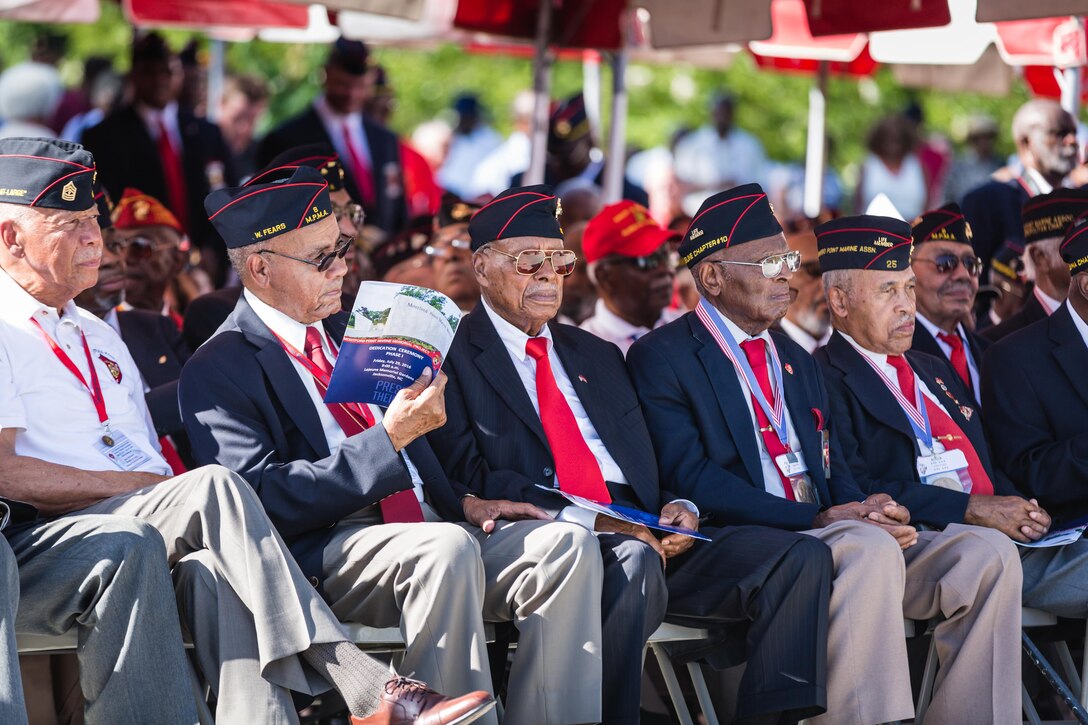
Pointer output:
x,y
944,468
113,445
795,471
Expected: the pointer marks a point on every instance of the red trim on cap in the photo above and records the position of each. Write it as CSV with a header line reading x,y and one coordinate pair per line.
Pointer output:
x,y
267,188
45,158
312,198
864,229
729,239
316,158
512,196
1028,205
515,214
894,246
955,218
66,176
1082,230
265,173
722,203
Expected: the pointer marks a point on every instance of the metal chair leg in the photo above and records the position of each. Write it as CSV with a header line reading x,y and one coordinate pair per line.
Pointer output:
x,y
702,692
672,684
929,677
1051,676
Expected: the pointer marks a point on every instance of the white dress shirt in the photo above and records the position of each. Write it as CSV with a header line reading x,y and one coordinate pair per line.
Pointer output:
x,y
881,361
607,325
51,411
772,481
294,333
334,126
802,337
1082,326
467,152
972,365
168,116
1050,305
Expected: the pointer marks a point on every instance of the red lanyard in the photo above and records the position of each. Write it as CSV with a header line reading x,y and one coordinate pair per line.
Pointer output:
x,y
322,378
95,388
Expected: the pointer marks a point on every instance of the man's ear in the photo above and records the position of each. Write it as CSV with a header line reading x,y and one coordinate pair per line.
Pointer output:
x,y
258,271
479,268
710,277
837,302
11,239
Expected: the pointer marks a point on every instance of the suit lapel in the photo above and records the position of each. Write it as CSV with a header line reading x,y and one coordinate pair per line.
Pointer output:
x,y
494,364
283,377
869,389
925,342
1070,352
730,396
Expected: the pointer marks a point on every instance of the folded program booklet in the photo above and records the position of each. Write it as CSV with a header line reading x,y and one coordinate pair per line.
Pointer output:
x,y
395,332
626,513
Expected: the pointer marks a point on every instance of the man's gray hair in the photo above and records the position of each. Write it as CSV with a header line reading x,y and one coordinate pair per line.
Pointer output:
x,y
239,255
1033,113
841,278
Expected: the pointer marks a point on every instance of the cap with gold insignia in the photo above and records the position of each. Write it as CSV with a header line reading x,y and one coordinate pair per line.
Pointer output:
x,y
136,210
524,211
105,206
454,210
251,214
1006,263
46,173
1074,247
625,229
742,214
1047,215
878,243
320,156
946,224
569,121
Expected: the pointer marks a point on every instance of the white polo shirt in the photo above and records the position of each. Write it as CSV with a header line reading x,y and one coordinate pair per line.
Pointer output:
x,y
52,412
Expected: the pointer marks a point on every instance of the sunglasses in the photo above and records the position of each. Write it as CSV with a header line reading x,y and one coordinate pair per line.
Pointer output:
x,y
351,211
446,250
662,257
531,261
325,260
771,266
142,248
947,263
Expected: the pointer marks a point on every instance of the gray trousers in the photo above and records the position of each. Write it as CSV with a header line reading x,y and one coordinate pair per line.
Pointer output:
x,y
1056,579
212,517
107,577
12,707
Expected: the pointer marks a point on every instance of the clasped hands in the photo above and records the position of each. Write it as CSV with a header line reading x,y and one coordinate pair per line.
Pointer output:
x,y
880,510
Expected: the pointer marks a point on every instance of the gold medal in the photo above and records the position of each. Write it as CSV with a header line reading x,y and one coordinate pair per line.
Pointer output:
x,y
107,440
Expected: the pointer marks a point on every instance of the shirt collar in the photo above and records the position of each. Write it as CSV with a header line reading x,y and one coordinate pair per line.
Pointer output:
x,y
1082,326
152,116
616,326
1039,182
513,338
936,331
738,334
18,306
290,330
1050,302
880,359
328,115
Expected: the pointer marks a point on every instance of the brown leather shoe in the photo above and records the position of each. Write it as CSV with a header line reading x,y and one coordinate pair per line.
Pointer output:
x,y
411,702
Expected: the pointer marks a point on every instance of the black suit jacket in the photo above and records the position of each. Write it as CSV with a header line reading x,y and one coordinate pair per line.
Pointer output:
x,y
1032,311
159,352
206,313
706,444
925,342
125,155
993,211
493,441
390,211
1036,402
878,441
246,407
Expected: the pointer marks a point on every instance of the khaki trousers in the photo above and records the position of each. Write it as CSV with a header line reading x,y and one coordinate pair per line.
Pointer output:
x,y
213,518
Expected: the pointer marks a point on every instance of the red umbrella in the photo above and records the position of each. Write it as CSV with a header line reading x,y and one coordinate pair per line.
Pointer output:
x,y
834,17
249,14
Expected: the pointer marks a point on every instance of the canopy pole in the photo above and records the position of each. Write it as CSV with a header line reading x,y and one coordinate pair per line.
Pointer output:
x,y
591,88
817,144
216,74
617,136
542,92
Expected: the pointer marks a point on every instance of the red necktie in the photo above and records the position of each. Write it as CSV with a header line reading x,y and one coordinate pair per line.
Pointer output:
x,y
944,428
170,453
177,194
575,466
403,506
959,357
756,352
360,169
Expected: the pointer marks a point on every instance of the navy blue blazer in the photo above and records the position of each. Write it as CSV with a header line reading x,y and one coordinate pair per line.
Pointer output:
x,y
159,352
1032,311
493,441
706,445
993,211
246,408
1036,402
878,441
389,211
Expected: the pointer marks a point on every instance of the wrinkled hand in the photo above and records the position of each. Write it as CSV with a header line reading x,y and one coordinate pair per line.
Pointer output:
x,y
484,512
878,510
677,514
607,523
416,410
886,510
1021,520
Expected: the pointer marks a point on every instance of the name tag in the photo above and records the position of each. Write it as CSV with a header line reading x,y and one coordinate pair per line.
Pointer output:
x,y
124,454
791,464
825,443
943,469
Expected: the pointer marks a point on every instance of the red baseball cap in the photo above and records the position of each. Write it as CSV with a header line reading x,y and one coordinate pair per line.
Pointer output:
x,y
626,229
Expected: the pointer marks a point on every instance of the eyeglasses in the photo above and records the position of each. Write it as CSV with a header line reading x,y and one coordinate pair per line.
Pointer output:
x,y
446,250
351,211
947,263
771,266
662,257
530,261
325,260
142,248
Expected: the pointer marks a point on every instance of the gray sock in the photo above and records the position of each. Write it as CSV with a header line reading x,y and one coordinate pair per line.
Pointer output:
x,y
358,677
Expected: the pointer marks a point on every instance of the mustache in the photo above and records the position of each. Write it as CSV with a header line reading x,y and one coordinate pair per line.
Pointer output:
x,y
955,285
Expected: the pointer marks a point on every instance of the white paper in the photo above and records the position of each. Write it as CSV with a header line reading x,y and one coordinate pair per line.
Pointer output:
x,y
1056,538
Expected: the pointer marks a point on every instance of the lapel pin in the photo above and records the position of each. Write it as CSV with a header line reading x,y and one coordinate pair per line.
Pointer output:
x,y
162,360
789,368
967,412
939,382
583,378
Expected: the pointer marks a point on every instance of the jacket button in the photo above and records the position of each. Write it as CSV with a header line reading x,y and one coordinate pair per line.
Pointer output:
x,y
315,582
548,472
